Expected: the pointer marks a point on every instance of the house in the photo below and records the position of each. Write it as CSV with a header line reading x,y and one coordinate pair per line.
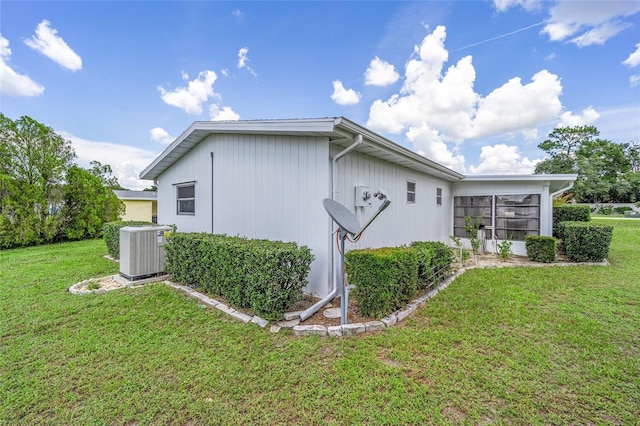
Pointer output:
x,y
139,205
267,179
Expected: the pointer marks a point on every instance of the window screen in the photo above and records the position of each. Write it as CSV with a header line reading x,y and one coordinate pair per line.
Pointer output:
x,y
411,192
186,199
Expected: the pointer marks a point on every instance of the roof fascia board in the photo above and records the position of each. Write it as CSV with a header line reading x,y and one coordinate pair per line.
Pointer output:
x,y
283,127
379,142
494,178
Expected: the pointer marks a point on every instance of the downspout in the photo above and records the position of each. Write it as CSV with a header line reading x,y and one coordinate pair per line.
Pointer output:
x,y
551,197
334,191
212,192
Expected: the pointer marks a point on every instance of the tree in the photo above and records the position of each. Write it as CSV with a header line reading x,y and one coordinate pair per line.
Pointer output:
x,y
601,165
632,150
562,147
33,163
105,174
88,204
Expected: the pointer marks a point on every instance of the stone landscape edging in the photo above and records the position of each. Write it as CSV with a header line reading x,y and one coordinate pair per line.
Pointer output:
x,y
320,330
291,317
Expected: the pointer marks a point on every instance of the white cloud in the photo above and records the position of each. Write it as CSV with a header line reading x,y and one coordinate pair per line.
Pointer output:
x,y
634,58
588,116
243,59
502,159
443,102
11,82
504,5
47,42
237,13
191,98
428,143
158,134
380,73
343,96
126,161
224,72
515,107
437,107
634,80
600,34
590,23
224,114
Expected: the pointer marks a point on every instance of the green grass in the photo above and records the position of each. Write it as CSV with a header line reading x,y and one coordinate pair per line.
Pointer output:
x,y
558,345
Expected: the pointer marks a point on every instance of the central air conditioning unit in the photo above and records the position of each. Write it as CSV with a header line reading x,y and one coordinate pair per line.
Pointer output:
x,y
142,251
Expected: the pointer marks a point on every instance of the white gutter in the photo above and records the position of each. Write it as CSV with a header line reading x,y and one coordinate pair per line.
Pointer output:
x,y
560,191
334,191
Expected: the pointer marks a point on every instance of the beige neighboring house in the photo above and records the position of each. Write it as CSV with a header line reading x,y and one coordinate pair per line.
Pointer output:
x,y
139,205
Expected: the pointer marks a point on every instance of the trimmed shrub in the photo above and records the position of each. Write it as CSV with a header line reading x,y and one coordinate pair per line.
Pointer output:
x,y
540,249
605,210
264,276
434,262
622,209
569,212
111,234
385,279
587,242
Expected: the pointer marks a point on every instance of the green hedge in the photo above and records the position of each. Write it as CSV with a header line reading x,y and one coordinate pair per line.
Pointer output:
x,y
540,249
586,241
111,235
385,279
264,276
434,262
569,213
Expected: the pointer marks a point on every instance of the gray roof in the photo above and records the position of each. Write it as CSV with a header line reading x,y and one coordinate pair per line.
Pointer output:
x,y
135,195
339,130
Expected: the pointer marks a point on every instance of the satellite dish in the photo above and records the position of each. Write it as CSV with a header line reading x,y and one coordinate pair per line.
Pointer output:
x,y
348,224
342,216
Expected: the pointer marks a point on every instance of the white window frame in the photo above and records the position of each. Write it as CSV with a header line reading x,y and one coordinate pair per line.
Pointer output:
x,y
411,194
180,200
438,196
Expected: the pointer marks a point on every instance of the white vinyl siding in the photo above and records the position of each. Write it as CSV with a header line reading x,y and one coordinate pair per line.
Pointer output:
x,y
268,187
400,223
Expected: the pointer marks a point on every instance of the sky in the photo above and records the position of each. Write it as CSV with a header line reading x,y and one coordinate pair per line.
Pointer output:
x,y
473,85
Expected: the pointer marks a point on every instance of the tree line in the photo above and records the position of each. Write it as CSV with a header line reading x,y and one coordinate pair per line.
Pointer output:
x,y
44,196
607,172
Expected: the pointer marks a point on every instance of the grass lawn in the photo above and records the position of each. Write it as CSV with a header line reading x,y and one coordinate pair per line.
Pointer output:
x,y
558,345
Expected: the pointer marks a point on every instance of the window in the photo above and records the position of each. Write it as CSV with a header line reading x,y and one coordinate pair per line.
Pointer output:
x,y
512,216
473,207
517,216
411,192
186,199
439,196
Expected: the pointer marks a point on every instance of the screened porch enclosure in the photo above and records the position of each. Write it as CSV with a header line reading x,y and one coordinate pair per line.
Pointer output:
x,y
504,217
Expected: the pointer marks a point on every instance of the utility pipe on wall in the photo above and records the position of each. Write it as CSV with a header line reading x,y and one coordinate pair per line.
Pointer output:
x,y
551,197
334,191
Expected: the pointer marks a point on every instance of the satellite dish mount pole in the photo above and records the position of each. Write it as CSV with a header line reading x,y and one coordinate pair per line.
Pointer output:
x,y
342,235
